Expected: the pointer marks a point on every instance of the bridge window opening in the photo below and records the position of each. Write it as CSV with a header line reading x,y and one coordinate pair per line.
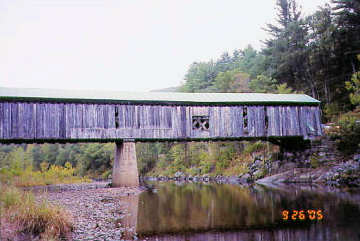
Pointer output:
x,y
245,118
116,117
200,123
266,119
266,122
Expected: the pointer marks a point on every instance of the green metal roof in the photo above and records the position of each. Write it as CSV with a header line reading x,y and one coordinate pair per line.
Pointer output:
x,y
152,97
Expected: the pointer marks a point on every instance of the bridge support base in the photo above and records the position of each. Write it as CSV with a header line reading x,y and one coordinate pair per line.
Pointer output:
x,y
125,172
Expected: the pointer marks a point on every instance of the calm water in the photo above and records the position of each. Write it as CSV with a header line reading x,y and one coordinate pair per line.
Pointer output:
x,y
230,212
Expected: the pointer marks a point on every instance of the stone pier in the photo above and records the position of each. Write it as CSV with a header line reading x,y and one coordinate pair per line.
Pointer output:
x,y
125,172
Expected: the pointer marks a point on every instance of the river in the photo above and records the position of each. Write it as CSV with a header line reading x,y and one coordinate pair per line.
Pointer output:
x,y
209,212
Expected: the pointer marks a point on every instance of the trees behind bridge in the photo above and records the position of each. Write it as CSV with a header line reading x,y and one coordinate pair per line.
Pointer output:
x,y
314,54
91,159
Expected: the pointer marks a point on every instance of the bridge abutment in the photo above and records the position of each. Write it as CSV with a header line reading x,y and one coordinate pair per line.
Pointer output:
x,y
125,172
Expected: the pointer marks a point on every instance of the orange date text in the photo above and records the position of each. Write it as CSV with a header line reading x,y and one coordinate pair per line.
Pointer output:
x,y
302,214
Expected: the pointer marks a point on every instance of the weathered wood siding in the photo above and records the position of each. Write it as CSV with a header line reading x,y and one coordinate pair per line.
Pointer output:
x,y
20,120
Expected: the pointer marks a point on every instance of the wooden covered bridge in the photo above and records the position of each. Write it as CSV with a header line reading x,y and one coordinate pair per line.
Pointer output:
x,y
43,115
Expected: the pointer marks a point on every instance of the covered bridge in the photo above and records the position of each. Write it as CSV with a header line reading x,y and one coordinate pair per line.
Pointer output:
x,y
44,115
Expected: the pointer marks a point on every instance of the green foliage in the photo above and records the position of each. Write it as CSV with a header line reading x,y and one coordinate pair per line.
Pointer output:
x,y
95,158
193,171
196,152
232,81
178,154
106,174
44,166
313,54
224,80
314,161
48,175
205,166
230,73
162,164
354,87
263,84
10,197
199,77
254,147
241,168
331,111
49,221
250,61
147,155
284,89
91,159
349,136
221,165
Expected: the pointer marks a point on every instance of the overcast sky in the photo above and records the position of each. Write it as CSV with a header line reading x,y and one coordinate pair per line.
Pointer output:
x,y
126,45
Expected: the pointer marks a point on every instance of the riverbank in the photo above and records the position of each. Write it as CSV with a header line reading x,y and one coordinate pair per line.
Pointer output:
x,y
98,212
335,173
316,161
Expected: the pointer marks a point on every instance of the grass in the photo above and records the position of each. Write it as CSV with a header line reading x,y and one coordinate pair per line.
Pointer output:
x,y
21,213
43,219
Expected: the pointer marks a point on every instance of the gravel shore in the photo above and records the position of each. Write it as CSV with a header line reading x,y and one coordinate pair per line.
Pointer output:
x,y
99,212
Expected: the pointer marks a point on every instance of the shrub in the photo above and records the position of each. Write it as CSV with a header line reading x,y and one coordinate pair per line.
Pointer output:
x,y
349,134
53,175
193,171
331,111
221,165
106,174
205,166
161,164
314,161
242,168
44,219
10,197
254,147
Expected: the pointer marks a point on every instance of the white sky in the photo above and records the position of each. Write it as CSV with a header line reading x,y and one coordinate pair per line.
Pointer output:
x,y
125,45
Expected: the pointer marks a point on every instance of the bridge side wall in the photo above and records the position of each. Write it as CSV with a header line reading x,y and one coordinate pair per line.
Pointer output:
x,y
26,120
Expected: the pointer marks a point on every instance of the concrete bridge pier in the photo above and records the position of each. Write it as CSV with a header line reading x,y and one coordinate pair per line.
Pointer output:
x,y
125,172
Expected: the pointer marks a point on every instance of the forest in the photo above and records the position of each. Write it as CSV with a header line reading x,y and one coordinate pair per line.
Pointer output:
x,y
318,55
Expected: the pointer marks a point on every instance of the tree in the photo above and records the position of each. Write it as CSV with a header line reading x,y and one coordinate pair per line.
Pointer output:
x,y
263,84
284,89
199,77
320,53
229,73
224,63
248,61
354,87
286,56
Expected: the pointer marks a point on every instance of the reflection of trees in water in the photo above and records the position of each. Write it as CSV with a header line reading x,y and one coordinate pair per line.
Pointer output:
x,y
201,207
313,233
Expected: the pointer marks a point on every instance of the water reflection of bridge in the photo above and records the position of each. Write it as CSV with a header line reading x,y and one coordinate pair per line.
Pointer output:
x,y
229,212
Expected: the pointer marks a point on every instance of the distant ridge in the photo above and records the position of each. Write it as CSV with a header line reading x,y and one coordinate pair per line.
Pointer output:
x,y
170,89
